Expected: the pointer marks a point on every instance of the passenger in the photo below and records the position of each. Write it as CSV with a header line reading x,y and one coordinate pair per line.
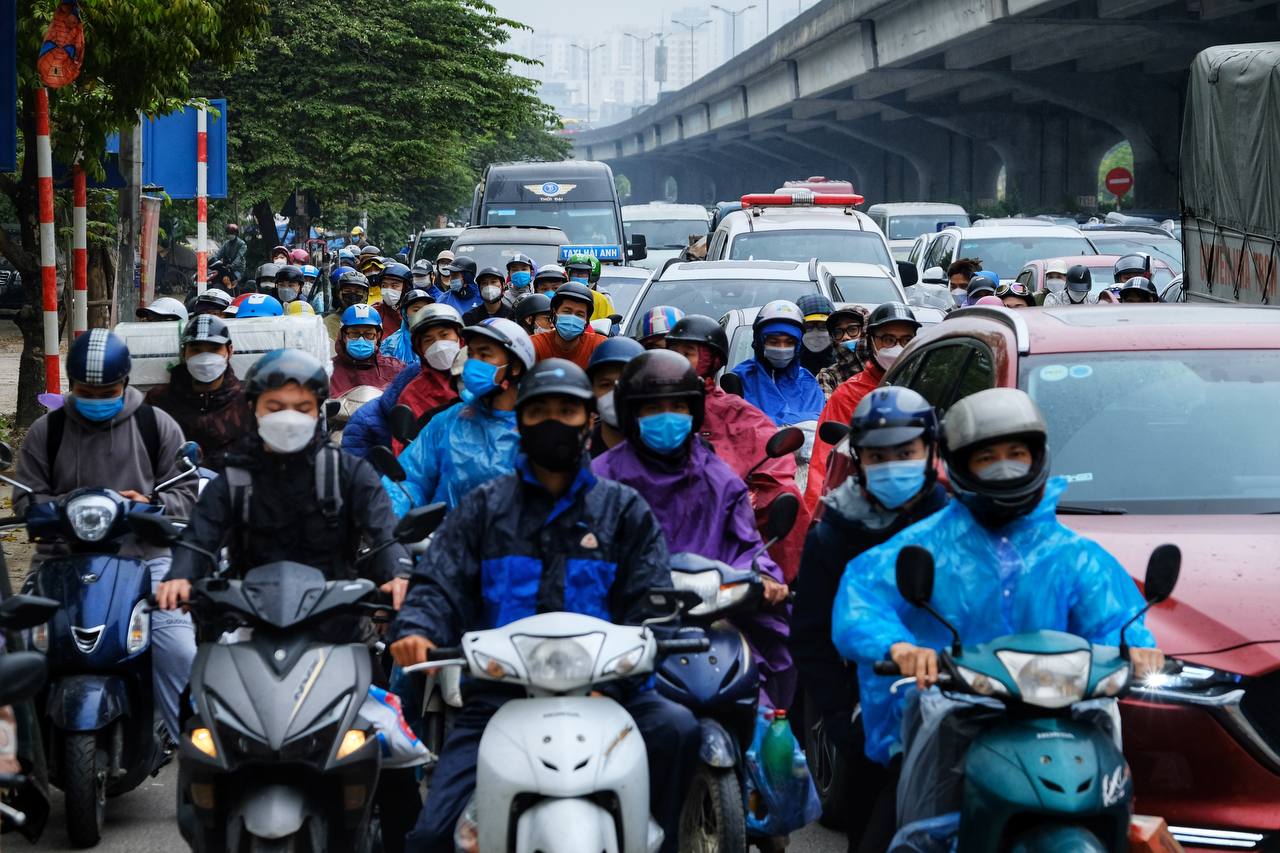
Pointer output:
x,y
166,309
603,370
352,290
257,305
958,275
490,281
773,381
1055,280
463,294
1132,266
817,351
845,326
1079,284
549,278
573,339
394,282
399,344
586,270
533,313
655,323
423,275
1139,289
1015,295
357,361
289,284
983,283
441,275
213,301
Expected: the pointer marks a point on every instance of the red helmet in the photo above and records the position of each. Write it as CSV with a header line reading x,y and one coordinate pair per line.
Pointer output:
x,y
299,256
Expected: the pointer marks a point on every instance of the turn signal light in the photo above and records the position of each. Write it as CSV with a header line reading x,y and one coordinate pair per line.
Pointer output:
x,y
202,739
351,741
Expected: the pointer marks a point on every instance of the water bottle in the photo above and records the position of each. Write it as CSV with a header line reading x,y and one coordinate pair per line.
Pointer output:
x,y
778,751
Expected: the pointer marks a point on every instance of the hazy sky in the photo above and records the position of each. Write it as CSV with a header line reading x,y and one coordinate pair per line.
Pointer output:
x,y
583,15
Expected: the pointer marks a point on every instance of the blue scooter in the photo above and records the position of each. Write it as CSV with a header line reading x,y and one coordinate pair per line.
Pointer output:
x,y
101,733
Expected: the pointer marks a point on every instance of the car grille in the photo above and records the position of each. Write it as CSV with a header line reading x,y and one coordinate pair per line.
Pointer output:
x,y
87,638
1259,707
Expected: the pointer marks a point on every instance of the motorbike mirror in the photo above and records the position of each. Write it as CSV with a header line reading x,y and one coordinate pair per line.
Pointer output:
x,y
915,574
190,453
908,273
153,529
386,464
731,383
782,515
615,319
404,426
672,602
26,611
1162,573
784,441
23,675
832,431
419,522
6,456
331,409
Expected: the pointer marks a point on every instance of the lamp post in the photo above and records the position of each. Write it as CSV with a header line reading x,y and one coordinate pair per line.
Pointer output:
x,y
690,28
588,51
644,74
733,17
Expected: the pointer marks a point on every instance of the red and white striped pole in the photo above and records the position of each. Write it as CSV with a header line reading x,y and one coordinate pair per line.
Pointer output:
x,y
202,199
48,257
79,253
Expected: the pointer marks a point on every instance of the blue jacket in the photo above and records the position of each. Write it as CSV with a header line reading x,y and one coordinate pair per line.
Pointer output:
x,y
464,300
787,396
1032,574
399,344
511,550
368,427
460,448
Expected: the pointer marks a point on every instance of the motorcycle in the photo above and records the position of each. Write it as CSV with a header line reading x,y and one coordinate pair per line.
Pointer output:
x,y
338,411
22,675
557,771
1038,774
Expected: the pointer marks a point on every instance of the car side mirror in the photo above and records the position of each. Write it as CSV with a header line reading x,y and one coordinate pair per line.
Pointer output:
x,y
331,409
1162,573
386,464
6,456
190,453
783,511
908,273
832,432
419,522
915,574
26,611
638,248
404,426
934,275
784,441
153,529
731,383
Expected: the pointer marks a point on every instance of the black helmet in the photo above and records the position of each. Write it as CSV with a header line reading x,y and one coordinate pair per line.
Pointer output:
x,y
280,367
415,295
575,290
1136,263
701,329
493,271
1140,285
266,274
846,313
530,305
464,265
1079,279
291,275
556,376
657,374
206,328
891,312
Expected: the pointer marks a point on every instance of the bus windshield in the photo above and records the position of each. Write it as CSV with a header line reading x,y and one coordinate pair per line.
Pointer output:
x,y
585,222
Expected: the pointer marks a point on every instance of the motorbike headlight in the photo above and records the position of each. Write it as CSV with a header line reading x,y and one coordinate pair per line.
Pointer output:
x,y
40,638
559,663
139,628
624,663
202,739
1113,683
91,516
1048,681
351,741
981,683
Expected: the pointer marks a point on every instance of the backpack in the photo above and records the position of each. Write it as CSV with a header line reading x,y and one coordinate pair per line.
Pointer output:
x,y
328,492
144,417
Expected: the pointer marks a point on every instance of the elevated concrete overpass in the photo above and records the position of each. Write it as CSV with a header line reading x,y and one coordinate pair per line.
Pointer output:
x,y
930,99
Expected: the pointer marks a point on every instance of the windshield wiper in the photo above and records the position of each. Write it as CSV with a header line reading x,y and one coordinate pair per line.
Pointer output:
x,y
1067,509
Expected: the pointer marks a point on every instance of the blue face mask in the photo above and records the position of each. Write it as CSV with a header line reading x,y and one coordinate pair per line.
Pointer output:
x,y
666,432
851,346
456,284
895,483
570,326
521,279
360,350
478,378
100,410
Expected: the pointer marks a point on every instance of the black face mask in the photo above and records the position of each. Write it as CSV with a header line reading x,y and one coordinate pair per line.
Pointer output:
x,y
348,299
553,445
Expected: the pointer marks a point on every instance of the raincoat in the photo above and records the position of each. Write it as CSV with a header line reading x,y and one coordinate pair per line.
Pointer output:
x,y
1029,575
420,388
348,373
704,509
839,408
464,300
787,396
390,319
461,448
399,345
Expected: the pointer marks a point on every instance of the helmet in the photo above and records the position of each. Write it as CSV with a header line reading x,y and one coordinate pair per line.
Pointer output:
x,y
572,290
370,251
361,315
891,312
352,277
291,275
299,308
1057,265
214,296
98,357
493,271
417,294
438,313
267,272
700,329
532,304
509,334
1079,279
616,350
657,375
422,267
370,264
984,417
299,256
259,305
208,329
584,262
310,273
521,258
990,299
554,271
165,306
658,320
983,281
338,272
1137,263
278,368
556,377
279,250
397,270
445,256
890,416
846,313
464,265
1141,285
347,255
357,231
814,306
778,317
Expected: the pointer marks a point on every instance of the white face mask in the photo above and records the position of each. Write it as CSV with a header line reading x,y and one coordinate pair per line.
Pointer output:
x,y
1005,469
1055,285
206,366
608,412
491,293
440,355
391,297
887,356
286,431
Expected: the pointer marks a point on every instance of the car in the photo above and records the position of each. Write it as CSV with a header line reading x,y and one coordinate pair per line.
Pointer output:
x,y
1008,221
494,245
714,288
1004,249
431,242
920,246
622,284
1101,270
869,285
904,222
1126,239
666,228
1161,417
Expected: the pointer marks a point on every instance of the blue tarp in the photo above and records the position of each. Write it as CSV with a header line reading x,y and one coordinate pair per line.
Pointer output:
x,y
8,86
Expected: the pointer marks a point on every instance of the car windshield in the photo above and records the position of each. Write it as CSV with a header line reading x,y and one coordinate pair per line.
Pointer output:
x,y
1006,255
428,246
1164,249
1175,432
911,227
716,297
667,233
623,290
586,223
497,254
869,290
825,244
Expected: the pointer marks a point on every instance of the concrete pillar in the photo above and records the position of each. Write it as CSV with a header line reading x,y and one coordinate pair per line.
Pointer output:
x,y
646,179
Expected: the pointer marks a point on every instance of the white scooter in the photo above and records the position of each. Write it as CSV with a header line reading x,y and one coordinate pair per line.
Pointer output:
x,y
564,771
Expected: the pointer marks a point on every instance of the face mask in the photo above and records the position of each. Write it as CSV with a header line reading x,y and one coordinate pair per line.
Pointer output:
x,y
895,483
421,280
287,294
440,355
206,366
455,284
817,340
665,433
553,445
286,431
360,349
491,293
280,260
959,295
887,356
1005,469
390,297
607,410
851,346
1055,285
348,298
478,379
100,410
570,326
520,280
779,357
1076,298
582,280
442,270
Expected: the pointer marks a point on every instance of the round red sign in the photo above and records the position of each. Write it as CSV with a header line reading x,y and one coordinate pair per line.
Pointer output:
x,y
1119,181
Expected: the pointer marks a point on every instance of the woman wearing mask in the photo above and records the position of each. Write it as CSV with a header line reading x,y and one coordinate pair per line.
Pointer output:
x,y
462,292
399,343
773,380
845,326
492,303
520,272
394,282
358,361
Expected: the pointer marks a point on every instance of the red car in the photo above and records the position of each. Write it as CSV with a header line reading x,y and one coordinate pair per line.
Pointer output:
x,y
1165,418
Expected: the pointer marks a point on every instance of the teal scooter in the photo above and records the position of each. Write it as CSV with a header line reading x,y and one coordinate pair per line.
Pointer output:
x,y
1037,778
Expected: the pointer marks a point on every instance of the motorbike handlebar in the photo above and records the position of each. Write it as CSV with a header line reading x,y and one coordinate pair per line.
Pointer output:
x,y
885,667
444,653
673,647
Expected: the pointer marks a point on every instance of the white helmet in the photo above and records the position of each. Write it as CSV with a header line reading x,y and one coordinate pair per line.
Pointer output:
x,y
508,333
777,313
166,306
435,313
215,296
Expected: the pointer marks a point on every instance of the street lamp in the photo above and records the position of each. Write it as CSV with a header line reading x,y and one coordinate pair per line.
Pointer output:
x,y
734,18
644,75
691,28
588,51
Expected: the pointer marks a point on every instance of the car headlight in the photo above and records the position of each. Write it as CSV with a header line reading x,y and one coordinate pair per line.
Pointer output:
x,y
1186,681
559,663
1113,683
1048,681
715,595
981,683
91,516
139,628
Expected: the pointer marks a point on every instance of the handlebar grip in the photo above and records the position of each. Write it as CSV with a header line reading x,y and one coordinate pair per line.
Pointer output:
x,y
885,667
673,647
445,653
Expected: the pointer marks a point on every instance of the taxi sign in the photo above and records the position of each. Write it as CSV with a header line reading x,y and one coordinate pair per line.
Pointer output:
x,y
602,253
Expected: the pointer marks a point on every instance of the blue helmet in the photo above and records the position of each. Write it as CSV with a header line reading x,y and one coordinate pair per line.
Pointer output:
x,y
259,305
310,273
98,357
338,272
658,320
398,270
617,350
890,416
362,314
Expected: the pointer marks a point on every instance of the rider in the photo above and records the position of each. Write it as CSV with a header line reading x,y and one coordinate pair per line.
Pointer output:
x,y
703,506
983,283
357,238
891,327
1003,564
773,381
163,310
655,323
520,272
462,292
352,289
585,269
467,445
1015,294
1132,266
105,436
440,273
533,313
894,441
1076,292
603,370
574,339
845,326
1139,289
422,274
817,350
257,305
280,256
231,254
394,282
515,547
203,394
358,361
1055,280
548,280
399,344
492,304
289,284
213,301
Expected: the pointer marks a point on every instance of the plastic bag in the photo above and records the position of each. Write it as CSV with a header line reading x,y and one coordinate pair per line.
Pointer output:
x,y
782,809
400,746
939,834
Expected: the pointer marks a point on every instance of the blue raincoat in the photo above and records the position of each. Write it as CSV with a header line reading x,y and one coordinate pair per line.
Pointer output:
x,y
464,300
788,396
399,345
1032,574
460,448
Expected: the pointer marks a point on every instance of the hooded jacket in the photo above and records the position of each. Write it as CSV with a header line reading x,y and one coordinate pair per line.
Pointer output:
x,y
464,300
460,448
420,388
390,318
215,419
840,409
348,373
787,396
1029,575
399,345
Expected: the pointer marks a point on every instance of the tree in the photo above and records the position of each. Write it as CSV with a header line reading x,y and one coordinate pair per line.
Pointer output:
x,y
138,56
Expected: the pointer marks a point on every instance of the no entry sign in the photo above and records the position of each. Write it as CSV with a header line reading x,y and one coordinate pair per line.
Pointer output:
x,y
1119,181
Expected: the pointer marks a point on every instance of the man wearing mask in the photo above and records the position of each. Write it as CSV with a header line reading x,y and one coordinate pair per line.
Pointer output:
x,y
352,289
548,279
423,275
603,370
533,313
573,339
357,238
231,254
891,327
289,284
357,361
440,273
520,272
773,380
958,275
492,304
845,326
394,282
817,350
1078,287
585,269
462,292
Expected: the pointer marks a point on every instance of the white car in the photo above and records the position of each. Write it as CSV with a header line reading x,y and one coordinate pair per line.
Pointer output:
x,y
869,285
902,222
666,228
1004,249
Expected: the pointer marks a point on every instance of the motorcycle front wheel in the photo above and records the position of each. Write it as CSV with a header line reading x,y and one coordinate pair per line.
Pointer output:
x,y
84,781
712,819
1058,838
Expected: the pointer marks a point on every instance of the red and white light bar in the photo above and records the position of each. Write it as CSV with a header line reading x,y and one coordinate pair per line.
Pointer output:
x,y
801,199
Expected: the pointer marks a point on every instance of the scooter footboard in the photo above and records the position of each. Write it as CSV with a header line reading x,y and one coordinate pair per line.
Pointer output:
x,y
568,825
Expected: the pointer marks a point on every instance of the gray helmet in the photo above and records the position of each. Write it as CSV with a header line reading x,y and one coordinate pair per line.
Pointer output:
x,y
206,328
980,419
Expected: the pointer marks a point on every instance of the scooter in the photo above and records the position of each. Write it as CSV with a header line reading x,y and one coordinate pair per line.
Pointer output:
x,y
561,771
101,733
22,675
1036,778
